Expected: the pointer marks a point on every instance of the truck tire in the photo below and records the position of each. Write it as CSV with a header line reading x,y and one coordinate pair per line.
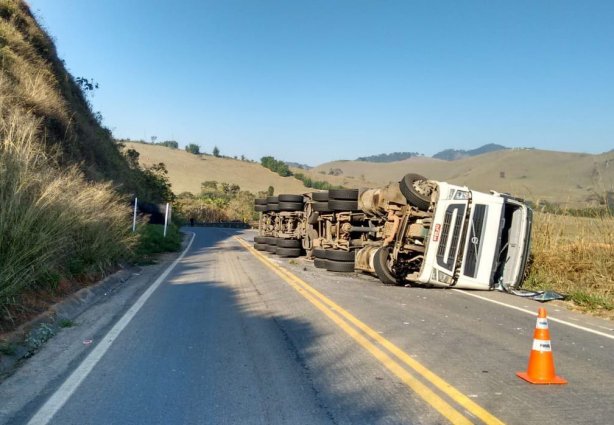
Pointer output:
x,y
272,207
287,252
269,240
289,243
260,208
272,200
380,264
320,263
261,239
260,201
340,255
339,266
320,206
415,198
290,198
290,206
320,196
270,248
319,253
337,205
260,246
343,194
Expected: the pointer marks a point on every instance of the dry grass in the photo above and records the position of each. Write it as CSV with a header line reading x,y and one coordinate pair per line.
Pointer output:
x,y
560,177
187,171
55,225
575,256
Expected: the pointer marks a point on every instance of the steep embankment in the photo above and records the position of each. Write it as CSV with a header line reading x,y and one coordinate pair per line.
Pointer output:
x,y
61,220
187,171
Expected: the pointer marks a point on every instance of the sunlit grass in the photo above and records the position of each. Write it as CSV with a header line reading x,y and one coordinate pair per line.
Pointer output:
x,y
575,256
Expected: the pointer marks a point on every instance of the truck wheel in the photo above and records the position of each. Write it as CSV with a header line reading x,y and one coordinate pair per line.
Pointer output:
x,y
272,200
272,207
320,196
260,246
270,248
290,206
319,253
289,243
261,239
337,205
415,198
382,270
260,201
343,194
288,252
339,255
320,263
290,198
260,208
269,240
320,206
339,266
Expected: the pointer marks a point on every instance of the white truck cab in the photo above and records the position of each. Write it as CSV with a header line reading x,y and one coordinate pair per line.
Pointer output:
x,y
476,240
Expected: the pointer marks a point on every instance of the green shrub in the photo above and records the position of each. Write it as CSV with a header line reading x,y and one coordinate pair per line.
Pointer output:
x,y
152,241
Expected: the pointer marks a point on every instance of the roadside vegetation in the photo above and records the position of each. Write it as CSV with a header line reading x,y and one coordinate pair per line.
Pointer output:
x,y
65,185
281,168
218,202
575,256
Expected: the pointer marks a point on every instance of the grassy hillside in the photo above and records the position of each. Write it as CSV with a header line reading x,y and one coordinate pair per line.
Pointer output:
x,y
62,220
187,171
569,178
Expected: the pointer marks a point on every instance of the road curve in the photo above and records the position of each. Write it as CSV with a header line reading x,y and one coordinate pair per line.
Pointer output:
x,y
232,336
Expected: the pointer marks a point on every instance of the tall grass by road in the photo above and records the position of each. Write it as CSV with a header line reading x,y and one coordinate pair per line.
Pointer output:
x,y
575,255
53,222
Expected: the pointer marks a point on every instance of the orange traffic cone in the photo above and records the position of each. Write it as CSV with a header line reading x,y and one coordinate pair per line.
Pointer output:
x,y
541,361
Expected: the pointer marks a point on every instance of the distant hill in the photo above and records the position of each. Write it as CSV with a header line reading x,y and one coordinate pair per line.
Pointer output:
x,y
298,165
389,157
187,171
456,154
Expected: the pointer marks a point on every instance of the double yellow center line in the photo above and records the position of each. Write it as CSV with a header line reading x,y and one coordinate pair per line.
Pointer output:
x,y
388,354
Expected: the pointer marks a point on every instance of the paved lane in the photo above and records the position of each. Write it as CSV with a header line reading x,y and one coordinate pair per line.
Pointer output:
x,y
228,339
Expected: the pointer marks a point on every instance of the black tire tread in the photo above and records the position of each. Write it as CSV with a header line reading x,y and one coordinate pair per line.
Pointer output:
x,y
290,206
343,194
340,266
381,269
414,198
320,196
290,198
342,205
289,243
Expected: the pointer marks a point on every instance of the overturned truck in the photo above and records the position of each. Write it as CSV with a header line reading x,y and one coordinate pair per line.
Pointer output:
x,y
415,232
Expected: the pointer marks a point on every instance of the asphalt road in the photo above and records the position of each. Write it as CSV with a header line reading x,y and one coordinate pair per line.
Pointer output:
x,y
231,336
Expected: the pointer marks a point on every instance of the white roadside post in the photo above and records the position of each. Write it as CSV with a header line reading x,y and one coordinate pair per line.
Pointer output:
x,y
165,219
136,200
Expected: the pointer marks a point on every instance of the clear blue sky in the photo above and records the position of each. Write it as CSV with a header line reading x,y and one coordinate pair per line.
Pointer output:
x,y
312,81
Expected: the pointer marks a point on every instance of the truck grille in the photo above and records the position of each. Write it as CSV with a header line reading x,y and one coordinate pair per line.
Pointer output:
x,y
448,263
475,240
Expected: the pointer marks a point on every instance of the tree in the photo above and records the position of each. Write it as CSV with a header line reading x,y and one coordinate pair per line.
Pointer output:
x,y
270,191
169,144
193,148
216,151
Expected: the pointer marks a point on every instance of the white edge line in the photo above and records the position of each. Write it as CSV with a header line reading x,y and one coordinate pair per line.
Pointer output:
x,y
532,313
62,394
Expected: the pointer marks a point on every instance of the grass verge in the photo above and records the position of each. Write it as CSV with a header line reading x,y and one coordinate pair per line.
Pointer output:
x,y
575,256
